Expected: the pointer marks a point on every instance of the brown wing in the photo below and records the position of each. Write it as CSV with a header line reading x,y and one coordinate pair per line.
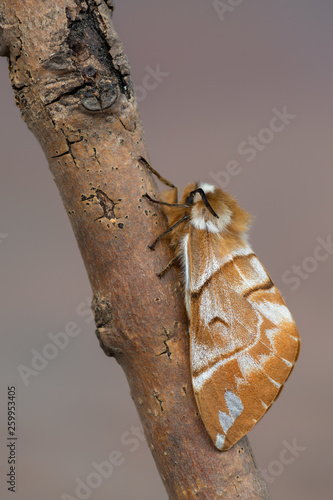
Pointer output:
x,y
244,342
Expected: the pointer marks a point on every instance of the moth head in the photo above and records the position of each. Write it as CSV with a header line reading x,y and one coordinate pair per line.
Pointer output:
x,y
214,210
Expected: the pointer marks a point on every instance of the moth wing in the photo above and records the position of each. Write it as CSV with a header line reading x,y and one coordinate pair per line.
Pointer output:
x,y
244,342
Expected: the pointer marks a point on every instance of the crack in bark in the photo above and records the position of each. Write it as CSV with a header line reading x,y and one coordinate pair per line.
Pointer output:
x,y
20,87
107,205
156,395
237,494
87,198
69,144
75,92
165,342
95,155
69,151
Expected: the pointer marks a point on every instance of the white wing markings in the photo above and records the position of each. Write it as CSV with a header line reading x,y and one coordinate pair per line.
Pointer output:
x,y
235,407
276,313
214,264
220,438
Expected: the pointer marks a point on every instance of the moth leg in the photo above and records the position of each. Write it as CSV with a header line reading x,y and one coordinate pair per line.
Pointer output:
x,y
169,266
146,195
152,246
162,179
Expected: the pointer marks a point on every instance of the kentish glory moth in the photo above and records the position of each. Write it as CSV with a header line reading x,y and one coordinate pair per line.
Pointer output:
x,y
243,340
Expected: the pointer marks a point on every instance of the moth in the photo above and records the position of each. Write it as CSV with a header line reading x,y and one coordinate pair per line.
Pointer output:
x,y
243,340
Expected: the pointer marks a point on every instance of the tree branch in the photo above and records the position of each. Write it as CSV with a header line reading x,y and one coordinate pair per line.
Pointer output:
x,y
72,84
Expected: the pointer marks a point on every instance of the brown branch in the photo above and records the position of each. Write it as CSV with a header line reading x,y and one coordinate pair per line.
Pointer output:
x,y
72,84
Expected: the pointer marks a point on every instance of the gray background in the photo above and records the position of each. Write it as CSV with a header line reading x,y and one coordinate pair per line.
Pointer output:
x,y
225,78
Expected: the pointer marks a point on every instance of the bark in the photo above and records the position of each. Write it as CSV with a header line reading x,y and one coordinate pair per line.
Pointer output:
x,y
72,84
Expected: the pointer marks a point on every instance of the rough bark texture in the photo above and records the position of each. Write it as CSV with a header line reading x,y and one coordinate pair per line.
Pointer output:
x,y
72,84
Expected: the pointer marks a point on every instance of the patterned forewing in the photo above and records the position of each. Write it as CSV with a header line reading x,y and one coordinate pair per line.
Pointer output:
x,y
244,342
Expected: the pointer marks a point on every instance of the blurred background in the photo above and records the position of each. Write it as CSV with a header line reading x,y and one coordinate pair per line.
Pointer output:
x,y
243,99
